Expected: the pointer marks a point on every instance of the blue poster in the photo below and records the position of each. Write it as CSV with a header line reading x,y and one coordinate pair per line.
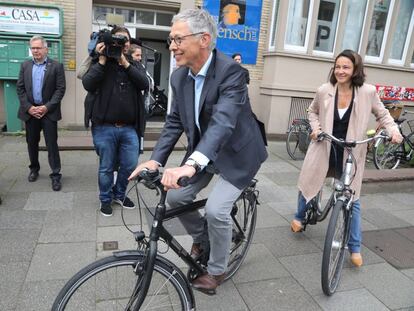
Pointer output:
x,y
238,26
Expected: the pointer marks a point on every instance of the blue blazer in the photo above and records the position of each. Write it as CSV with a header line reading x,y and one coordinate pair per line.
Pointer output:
x,y
230,136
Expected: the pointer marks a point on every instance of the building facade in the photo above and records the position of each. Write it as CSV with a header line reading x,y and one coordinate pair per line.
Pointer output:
x,y
297,42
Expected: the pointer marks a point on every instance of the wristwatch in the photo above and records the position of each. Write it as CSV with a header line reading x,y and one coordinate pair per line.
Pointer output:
x,y
193,163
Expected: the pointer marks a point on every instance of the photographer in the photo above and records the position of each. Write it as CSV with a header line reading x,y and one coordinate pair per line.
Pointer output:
x,y
117,115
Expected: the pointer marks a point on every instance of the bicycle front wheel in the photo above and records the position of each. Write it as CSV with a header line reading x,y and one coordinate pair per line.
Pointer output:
x,y
244,214
386,154
108,284
334,249
297,142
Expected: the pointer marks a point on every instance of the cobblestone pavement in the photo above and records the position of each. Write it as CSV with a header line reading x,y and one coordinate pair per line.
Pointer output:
x,y
47,236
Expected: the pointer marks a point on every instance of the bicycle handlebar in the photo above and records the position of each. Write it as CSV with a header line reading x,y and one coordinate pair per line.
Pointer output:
x,y
352,144
152,179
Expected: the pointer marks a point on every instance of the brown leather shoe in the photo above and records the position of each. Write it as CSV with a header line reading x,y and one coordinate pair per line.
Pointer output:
x,y
356,259
208,283
296,226
196,250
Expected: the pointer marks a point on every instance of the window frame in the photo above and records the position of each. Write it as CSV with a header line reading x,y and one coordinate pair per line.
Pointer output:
x,y
273,26
363,28
325,53
379,59
295,48
401,62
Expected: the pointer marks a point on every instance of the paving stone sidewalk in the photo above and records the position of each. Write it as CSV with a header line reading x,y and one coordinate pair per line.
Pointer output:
x,y
47,236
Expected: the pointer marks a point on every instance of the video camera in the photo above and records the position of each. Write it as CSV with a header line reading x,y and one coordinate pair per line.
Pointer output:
x,y
114,44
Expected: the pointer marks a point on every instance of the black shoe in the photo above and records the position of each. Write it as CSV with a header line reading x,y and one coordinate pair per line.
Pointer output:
x,y
127,203
106,209
33,175
56,184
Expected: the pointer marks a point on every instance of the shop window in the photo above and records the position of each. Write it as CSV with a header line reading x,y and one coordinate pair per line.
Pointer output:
x,y
356,11
164,19
403,31
327,25
378,29
99,13
298,23
128,14
145,17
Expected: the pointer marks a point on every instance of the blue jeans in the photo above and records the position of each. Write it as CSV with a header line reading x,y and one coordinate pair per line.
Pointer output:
x,y
354,244
114,144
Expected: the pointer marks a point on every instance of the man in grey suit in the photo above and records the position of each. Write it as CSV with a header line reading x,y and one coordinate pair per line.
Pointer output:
x,y
211,105
40,87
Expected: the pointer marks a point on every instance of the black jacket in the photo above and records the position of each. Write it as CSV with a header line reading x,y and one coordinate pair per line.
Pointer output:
x,y
100,80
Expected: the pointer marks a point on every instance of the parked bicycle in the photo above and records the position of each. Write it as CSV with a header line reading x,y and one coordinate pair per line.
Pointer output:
x,y
340,202
142,279
158,103
298,138
390,156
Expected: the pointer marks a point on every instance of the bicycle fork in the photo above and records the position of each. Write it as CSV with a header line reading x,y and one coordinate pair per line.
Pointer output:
x,y
145,271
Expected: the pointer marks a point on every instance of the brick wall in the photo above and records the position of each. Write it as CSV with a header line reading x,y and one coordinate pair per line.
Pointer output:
x,y
68,38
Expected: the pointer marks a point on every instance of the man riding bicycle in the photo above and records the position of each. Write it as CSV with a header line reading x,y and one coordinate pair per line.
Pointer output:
x,y
211,105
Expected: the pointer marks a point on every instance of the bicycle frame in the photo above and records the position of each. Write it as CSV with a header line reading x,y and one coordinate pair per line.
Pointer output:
x,y
158,231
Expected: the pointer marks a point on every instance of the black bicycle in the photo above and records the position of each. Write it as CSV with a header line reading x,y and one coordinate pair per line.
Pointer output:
x,y
298,138
142,279
340,202
390,156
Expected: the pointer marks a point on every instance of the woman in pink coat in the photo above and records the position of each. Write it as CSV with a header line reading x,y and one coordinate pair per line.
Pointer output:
x,y
342,108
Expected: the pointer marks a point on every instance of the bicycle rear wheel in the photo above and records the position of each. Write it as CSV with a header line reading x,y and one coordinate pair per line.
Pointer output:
x,y
386,155
297,142
107,284
244,216
334,249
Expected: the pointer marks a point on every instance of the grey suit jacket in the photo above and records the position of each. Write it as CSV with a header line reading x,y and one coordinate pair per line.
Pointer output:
x,y
230,136
54,86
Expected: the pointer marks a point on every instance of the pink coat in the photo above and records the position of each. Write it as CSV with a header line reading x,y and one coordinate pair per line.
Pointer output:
x,y
321,113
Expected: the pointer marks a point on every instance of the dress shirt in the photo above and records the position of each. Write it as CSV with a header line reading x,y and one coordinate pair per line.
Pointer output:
x,y
38,74
199,79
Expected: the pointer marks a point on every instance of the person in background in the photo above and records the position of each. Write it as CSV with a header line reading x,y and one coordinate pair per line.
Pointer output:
x,y
136,52
342,108
117,119
40,87
238,58
211,105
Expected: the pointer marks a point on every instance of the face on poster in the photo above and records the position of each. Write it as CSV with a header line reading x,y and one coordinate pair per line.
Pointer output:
x,y
238,26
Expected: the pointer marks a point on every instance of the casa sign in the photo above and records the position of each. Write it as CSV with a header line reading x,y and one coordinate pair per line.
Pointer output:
x,y
29,20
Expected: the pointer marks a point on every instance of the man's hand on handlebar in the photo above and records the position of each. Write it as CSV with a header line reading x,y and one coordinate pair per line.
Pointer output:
x,y
171,176
150,165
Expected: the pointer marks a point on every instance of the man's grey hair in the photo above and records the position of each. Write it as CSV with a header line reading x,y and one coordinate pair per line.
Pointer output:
x,y
37,37
199,20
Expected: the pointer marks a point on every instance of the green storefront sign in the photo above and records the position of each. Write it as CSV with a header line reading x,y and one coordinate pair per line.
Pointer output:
x,y
18,23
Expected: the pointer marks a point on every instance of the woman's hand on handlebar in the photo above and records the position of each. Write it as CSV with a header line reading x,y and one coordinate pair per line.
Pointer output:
x,y
171,176
396,138
315,133
150,165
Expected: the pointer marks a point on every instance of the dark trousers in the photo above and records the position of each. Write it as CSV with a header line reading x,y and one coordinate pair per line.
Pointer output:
x,y
33,129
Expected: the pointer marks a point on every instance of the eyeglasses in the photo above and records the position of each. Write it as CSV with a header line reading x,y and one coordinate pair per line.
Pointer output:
x,y
178,40
36,48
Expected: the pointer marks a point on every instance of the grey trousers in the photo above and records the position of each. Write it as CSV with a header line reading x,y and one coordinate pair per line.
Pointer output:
x,y
217,215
